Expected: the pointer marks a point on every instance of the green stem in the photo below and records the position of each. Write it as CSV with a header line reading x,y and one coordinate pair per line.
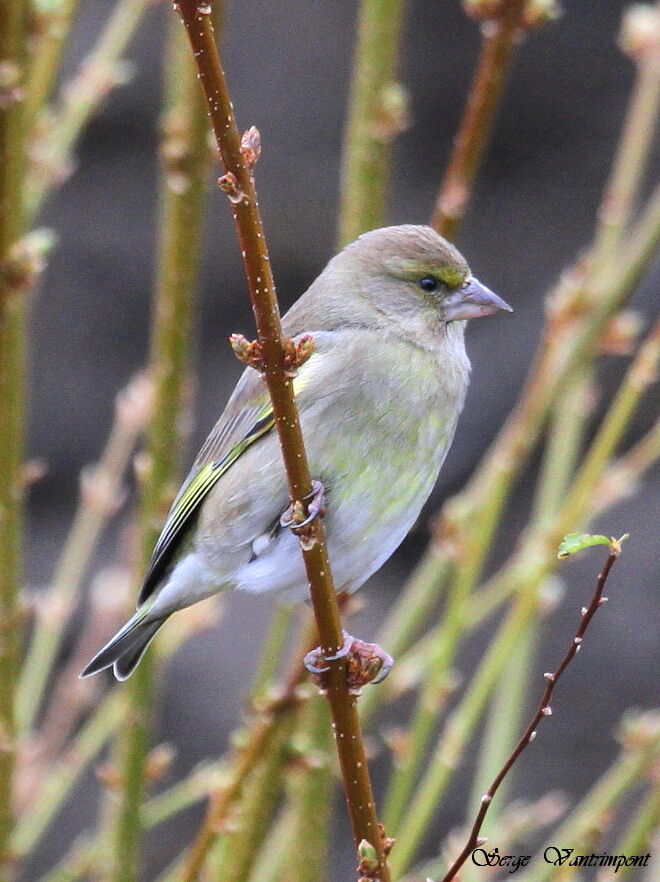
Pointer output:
x,y
561,453
376,114
594,811
641,373
310,798
632,155
100,495
55,28
13,40
238,850
273,646
638,836
406,618
460,725
564,440
185,164
57,134
430,701
57,784
502,724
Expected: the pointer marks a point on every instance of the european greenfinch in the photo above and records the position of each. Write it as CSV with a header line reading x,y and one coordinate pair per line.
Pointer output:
x,y
379,400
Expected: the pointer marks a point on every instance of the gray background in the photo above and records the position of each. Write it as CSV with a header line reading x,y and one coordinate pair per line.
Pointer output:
x,y
288,66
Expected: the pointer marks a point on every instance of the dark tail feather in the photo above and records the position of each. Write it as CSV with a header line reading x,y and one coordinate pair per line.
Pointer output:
x,y
125,649
128,661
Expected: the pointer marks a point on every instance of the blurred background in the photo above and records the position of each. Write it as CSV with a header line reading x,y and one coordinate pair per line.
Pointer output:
x,y
288,67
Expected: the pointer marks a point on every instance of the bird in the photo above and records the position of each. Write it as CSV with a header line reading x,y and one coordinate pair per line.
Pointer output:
x,y
379,399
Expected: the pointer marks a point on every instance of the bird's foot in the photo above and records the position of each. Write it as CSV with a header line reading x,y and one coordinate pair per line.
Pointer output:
x,y
366,663
299,515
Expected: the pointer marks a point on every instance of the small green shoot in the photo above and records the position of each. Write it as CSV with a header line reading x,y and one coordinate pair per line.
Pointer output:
x,y
574,542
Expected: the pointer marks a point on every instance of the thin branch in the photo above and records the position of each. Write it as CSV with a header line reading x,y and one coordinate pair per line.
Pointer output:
x,y
638,130
57,132
639,735
56,786
503,26
238,851
497,49
261,729
239,184
376,114
100,496
13,37
544,710
53,25
184,171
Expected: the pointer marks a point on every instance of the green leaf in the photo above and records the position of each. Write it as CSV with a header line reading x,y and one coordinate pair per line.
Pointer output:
x,y
577,541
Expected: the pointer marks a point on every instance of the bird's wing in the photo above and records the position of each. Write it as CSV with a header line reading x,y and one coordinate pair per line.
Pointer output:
x,y
246,418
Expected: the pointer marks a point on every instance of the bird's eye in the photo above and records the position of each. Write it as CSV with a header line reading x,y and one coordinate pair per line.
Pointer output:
x,y
428,283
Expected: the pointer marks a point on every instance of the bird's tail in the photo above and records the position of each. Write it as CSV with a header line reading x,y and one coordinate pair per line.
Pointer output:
x,y
127,647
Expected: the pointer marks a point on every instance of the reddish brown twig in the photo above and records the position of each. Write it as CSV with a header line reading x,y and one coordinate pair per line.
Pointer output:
x,y
544,710
238,157
503,22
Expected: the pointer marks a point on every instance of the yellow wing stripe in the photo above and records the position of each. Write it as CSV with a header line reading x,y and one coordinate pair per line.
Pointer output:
x,y
191,498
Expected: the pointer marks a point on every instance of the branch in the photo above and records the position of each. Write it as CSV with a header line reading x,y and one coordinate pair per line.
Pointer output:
x,y
101,494
377,112
239,185
639,40
184,170
13,37
503,25
53,24
639,736
56,134
262,729
544,709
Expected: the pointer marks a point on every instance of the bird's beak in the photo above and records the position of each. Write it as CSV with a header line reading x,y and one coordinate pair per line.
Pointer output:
x,y
472,301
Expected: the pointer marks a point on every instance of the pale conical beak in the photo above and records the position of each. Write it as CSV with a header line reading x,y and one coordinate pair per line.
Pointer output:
x,y
472,301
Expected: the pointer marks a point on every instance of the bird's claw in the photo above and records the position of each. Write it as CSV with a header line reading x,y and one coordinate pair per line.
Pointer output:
x,y
366,663
299,515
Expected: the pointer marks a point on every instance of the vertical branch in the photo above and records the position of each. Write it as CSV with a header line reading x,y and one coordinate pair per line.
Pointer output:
x,y
184,170
503,25
238,183
239,850
13,284
376,114
54,27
